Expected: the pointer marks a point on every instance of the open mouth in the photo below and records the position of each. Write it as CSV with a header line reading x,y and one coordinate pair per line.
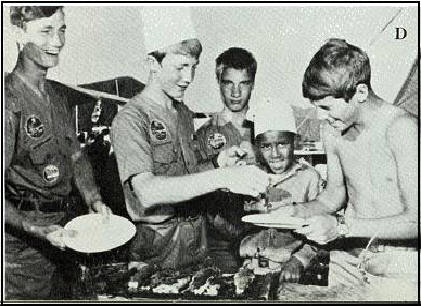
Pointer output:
x,y
337,124
277,164
235,102
52,52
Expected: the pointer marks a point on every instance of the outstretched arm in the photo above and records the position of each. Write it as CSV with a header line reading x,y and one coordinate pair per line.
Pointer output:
x,y
333,197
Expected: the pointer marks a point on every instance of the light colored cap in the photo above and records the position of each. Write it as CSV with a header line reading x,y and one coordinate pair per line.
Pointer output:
x,y
166,26
277,116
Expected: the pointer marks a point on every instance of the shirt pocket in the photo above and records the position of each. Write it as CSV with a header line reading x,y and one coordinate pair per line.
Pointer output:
x,y
41,152
164,156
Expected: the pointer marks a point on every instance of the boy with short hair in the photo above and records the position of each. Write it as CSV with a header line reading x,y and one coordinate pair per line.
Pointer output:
x,y
372,150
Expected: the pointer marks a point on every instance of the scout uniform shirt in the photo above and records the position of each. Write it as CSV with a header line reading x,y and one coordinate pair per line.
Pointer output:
x,y
40,140
217,135
147,137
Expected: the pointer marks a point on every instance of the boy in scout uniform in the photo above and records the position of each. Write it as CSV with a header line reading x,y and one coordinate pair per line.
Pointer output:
x,y
235,74
158,160
42,156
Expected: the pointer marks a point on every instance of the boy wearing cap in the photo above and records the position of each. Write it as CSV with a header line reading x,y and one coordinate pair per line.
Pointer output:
x,y
157,157
295,182
372,171
235,74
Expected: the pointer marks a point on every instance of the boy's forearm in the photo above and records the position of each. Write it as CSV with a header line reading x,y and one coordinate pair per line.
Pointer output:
x,y
15,220
84,178
154,190
12,216
326,203
398,227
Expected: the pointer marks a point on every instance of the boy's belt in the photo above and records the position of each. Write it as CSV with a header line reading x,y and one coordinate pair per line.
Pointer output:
x,y
355,246
43,206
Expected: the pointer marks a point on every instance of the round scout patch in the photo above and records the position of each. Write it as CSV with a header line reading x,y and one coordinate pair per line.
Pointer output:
x,y
159,131
50,173
34,127
216,141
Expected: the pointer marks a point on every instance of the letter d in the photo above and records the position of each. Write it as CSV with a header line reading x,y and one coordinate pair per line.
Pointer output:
x,y
398,32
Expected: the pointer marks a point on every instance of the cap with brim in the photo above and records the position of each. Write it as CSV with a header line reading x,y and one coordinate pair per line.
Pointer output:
x,y
274,116
166,26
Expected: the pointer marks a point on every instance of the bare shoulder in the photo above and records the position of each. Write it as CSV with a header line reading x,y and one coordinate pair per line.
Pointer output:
x,y
400,123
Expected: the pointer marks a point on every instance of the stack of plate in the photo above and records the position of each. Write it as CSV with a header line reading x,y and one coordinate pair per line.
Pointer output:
x,y
274,220
95,233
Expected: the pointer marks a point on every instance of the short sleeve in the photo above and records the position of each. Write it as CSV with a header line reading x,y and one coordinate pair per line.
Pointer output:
x,y
129,137
11,117
10,135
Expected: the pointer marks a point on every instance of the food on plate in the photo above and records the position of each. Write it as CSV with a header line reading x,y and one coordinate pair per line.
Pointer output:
x,y
176,287
243,279
273,244
201,283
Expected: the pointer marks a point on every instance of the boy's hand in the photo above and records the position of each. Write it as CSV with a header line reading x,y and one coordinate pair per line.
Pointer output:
x,y
230,157
292,271
53,233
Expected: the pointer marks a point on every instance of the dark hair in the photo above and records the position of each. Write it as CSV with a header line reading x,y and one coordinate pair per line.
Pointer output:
x,y
237,58
21,14
336,70
191,47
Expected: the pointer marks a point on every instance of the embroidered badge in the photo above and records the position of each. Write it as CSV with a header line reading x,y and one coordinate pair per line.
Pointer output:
x,y
159,132
34,127
50,173
216,141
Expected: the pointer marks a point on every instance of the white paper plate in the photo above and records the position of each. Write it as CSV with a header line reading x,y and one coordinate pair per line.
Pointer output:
x,y
93,235
277,221
279,225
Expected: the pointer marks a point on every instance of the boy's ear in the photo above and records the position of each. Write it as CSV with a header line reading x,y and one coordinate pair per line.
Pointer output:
x,y
154,66
19,35
361,93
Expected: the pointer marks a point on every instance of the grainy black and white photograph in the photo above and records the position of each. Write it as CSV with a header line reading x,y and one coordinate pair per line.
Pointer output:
x,y
210,152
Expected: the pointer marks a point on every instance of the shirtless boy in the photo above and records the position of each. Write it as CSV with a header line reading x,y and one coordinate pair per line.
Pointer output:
x,y
372,149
